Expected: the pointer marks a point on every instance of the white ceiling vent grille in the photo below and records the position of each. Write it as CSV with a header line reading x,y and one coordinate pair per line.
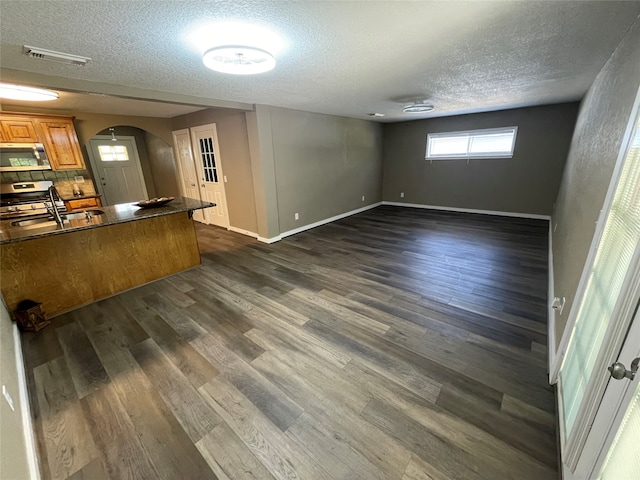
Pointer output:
x,y
52,56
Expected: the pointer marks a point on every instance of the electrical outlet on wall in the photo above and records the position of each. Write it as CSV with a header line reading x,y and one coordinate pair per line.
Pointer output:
x,y
363,198
401,194
296,216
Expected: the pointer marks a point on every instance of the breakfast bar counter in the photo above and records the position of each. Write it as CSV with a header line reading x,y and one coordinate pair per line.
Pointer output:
x,y
87,259
110,215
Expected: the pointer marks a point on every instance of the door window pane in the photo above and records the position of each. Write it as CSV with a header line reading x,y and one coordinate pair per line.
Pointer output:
x,y
113,153
208,158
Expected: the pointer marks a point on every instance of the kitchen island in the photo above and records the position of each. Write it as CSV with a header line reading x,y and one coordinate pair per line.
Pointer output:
x,y
96,256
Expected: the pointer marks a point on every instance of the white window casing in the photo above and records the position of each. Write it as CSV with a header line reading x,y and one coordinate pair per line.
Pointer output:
x,y
472,144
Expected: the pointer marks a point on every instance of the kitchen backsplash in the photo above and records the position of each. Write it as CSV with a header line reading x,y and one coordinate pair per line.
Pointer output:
x,y
62,179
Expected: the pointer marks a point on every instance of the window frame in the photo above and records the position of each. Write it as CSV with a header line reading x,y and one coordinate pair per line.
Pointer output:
x,y
470,134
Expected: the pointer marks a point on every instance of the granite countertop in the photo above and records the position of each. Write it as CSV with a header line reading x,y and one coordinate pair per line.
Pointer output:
x,y
125,212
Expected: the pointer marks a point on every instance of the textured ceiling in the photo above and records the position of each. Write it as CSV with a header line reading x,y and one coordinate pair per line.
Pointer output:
x,y
83,102
338,57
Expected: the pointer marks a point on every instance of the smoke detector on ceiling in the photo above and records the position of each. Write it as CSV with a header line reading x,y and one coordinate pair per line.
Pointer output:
x,y
60,57
418,107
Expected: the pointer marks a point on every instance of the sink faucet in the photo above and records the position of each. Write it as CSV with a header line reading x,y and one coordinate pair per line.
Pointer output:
x,y
53,196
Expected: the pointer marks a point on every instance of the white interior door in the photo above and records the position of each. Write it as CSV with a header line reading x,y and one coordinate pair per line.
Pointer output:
x,y
117,168
187,169
211,178
602,313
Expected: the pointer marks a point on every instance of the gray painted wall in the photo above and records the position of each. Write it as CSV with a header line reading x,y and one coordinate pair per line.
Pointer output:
x,y
324,164
602,120
236,161
526,183
13,451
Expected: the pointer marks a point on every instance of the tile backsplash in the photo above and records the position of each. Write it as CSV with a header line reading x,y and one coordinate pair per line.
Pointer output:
x,y
62,179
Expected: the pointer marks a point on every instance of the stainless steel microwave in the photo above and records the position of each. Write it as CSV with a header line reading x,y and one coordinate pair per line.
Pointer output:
x,y
16,157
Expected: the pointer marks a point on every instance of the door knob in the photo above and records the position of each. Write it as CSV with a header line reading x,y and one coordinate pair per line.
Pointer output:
x,y
202,185
619,371
193,184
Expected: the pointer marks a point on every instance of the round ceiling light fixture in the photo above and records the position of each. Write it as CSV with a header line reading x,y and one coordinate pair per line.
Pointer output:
x,y
238,60
30,94
418,107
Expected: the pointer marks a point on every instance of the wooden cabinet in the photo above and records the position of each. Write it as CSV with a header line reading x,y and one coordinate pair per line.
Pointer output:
x,y
19,129
56,133
82,203
61,143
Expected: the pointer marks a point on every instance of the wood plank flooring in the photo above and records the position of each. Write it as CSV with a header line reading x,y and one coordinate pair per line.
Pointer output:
x,y
394,344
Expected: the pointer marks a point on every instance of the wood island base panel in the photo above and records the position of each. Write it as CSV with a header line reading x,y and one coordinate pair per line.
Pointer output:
x,y
66,271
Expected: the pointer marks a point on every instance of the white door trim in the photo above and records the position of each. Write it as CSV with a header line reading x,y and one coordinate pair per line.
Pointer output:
x,y
92,160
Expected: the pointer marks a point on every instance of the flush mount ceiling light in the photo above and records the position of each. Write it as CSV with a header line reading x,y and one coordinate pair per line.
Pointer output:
x,y
238,60
31,94
418,107
53,56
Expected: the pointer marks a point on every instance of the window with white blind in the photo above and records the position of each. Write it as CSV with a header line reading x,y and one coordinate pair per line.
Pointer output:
x,y
606,281
623,461
487,143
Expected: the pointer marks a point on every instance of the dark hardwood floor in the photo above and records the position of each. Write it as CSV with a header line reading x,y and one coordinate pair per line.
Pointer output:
x,y
394,344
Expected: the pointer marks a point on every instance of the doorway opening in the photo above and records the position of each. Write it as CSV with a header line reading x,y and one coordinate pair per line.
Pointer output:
x,y
130,164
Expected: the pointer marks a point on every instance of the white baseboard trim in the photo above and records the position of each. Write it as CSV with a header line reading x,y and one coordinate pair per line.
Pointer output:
x,y
551,315
323,222
253,235
270,240
470,210
27,426
242,231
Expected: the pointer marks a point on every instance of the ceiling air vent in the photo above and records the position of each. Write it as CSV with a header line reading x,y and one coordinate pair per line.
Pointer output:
x,y
60,57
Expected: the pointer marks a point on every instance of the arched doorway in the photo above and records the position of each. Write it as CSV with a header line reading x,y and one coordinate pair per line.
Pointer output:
x,y
136,165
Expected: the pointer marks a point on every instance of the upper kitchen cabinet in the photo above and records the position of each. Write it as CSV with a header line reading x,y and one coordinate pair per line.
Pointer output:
x,y
19,130
56,133
61,143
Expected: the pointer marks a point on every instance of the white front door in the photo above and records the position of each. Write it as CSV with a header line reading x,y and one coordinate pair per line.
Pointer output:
x,y
211,179
117,168
187,169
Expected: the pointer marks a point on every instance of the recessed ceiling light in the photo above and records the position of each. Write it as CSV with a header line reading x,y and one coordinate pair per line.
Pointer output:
x,y
31,94
376,114
238,60
418,107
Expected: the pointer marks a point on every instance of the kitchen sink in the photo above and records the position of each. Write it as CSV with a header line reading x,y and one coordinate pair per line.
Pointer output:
x,y
81,215
34,222
49,221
